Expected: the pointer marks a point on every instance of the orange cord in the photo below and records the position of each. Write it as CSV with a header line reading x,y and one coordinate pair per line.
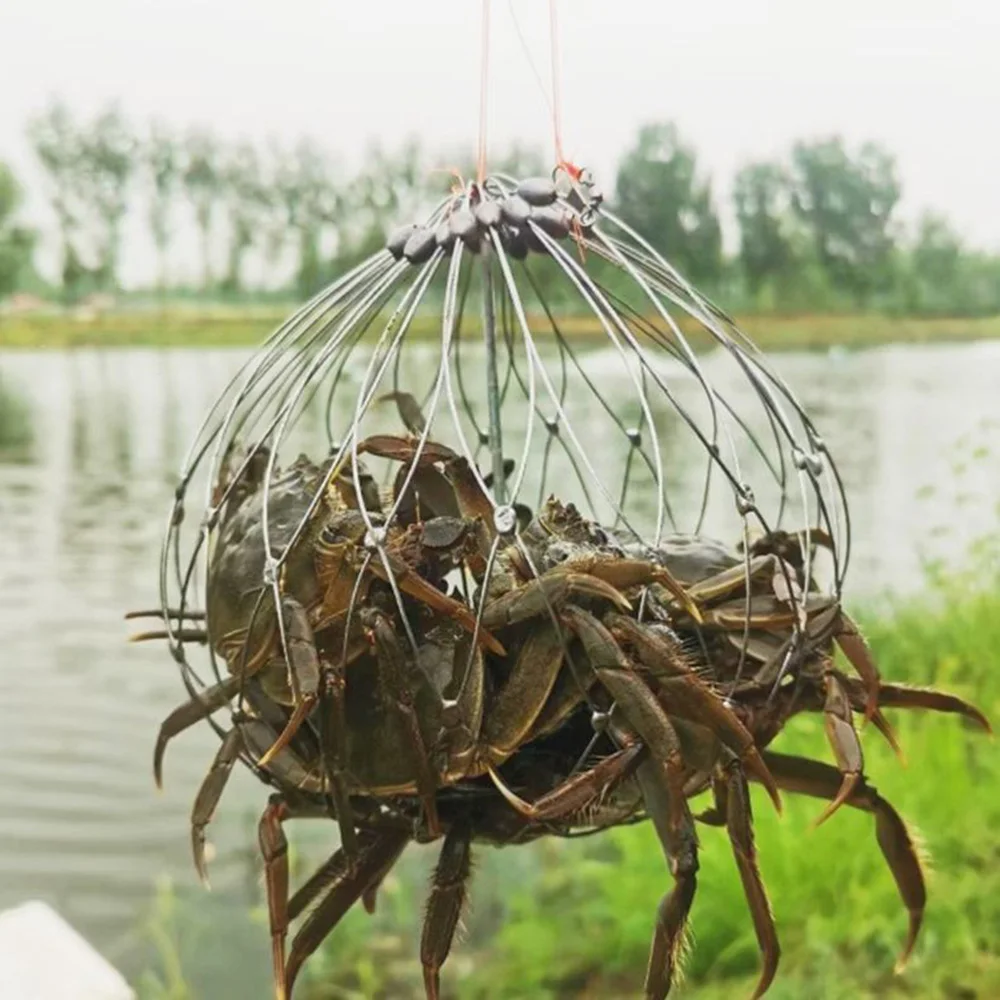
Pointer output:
x,y
483,88
561,161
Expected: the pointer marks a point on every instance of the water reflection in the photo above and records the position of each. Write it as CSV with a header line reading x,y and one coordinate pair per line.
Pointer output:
x,y
16,423
90,442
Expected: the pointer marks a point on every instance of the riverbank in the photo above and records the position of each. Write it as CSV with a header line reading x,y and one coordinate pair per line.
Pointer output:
x,y
238,327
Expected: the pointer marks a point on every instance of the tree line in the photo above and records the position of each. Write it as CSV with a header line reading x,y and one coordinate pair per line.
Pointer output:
x,y
818,230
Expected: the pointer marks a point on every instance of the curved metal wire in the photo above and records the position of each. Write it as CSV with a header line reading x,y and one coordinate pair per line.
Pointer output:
x,y
526,321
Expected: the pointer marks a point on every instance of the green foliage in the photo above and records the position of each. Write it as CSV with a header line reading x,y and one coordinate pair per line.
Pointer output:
x,y
659,192
167,981
817,228
761,197
203,183
247,201
55,139
108,152
846,204
16,242
161,159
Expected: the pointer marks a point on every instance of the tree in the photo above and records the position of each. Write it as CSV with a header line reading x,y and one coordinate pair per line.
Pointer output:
x,y
162,158
203,185
108,158
246,203
846,205
937,252
16,242
659,193
762,199
390,189
57,144
310,202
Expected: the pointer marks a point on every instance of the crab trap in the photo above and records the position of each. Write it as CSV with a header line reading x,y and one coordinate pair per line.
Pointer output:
x,y
510,533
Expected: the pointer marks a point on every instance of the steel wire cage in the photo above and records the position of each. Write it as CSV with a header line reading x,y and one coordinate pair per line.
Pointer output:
x,y
532,331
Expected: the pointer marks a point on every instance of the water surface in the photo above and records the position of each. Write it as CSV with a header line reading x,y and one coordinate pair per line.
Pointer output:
x,y
90,442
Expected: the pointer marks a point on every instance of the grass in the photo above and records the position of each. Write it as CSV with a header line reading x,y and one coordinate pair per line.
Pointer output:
x,y
236,327
567,920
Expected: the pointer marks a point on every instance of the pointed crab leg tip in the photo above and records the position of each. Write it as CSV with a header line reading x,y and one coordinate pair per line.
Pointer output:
x,y
980,720
755,765
494,645
904,956
824,816
513,800
282,984
846,789
775,796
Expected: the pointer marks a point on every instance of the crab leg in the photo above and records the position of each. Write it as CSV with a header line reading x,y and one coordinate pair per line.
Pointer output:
x,y
905,696
811,777
733,808
635,702
550,590
730,580
574,793
833,622
181,613
520,701
181,634
208,796
393,667
184,716
689,694
680,847
303,671
333,742
375,858
413,584
274,850
626,573
444,906
839,723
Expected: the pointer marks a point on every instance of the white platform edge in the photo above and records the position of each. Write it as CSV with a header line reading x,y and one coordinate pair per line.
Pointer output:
x,y
43,958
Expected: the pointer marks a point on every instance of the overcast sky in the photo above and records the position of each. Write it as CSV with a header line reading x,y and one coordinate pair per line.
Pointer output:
x,y
743,78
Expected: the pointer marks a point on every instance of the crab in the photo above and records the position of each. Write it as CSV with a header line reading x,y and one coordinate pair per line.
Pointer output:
x,y
326,571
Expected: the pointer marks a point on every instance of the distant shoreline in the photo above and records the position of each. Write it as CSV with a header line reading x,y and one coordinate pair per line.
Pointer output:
x,y
249,327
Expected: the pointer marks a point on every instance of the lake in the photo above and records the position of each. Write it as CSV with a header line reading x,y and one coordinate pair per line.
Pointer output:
x,y
90,442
